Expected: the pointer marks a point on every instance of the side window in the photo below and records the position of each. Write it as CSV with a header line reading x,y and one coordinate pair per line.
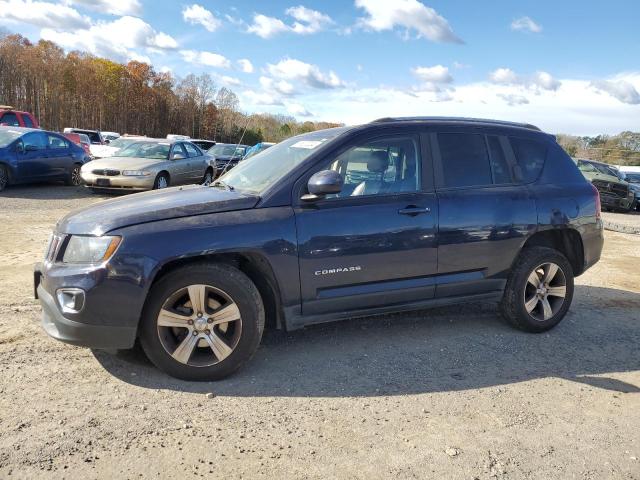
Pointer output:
x,y
499,164
380,167
10,119
27,120
178,150
191,150
465,161
56,142
530,155
35,141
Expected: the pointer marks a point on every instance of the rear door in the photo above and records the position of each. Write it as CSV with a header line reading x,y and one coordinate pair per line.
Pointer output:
x,y
485,214
197,163
375,243
60,159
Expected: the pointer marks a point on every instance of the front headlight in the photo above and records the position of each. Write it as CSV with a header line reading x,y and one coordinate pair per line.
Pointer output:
x,y
135,173
84,249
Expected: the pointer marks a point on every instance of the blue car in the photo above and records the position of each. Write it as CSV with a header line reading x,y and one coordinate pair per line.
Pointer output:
x,y
32,155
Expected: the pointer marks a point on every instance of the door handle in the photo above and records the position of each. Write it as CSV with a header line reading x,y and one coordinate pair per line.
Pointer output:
x,y
413,210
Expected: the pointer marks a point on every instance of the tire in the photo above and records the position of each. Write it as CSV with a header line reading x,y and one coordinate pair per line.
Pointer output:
x,y
229,294
4,177
161,181
520,293
74,179
208,177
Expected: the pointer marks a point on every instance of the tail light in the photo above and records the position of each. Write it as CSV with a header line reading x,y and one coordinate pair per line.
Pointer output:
x,y
598,206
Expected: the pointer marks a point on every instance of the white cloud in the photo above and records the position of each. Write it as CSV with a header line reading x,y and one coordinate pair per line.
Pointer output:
x,y
407,14
282,86
298,110
231,81
43,14
261,98
245,65
311,75
267,27
307,21
114,7
208,59
198,15
619,89
525,24
539,80
117,39
513,99
435,74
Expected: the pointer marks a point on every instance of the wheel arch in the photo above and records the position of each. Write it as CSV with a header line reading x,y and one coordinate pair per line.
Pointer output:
x,y
253,265
567,241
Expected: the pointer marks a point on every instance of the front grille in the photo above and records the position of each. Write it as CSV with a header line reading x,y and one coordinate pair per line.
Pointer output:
x,y
106,172
610,188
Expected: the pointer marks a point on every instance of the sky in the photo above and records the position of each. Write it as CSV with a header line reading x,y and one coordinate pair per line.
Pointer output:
x,y
567,66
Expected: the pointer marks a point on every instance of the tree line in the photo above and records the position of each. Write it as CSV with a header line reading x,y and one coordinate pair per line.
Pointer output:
x,y
80,90
621,149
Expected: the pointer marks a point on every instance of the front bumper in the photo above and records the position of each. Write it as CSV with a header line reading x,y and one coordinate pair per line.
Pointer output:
x,y
118,182
611,201
79,332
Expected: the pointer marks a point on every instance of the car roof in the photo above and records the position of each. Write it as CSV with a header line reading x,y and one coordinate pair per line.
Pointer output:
x,y
458,120
24,129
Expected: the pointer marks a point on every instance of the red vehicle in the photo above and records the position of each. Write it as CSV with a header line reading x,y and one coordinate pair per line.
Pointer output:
x,y
15,118
80,139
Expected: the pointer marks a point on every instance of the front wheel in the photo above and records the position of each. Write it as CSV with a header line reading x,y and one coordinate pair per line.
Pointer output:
x,y
202,322
162,181
539,290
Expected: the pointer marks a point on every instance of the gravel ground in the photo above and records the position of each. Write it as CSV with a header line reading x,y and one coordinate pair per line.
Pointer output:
x,y
622,222
445,393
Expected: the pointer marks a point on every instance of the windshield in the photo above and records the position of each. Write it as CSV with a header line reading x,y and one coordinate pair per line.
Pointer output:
x,y
159,151
632,177
260,172
123,142
226,151
8,135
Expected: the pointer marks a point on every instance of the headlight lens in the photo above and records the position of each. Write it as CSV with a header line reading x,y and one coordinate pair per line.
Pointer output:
x,y
82,249
135,173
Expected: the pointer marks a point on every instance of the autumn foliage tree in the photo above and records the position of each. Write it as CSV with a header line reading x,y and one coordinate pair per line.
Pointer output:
x,y
80,90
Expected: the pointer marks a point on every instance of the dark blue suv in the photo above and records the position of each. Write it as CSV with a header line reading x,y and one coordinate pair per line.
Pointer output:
x,y
398,214
33,155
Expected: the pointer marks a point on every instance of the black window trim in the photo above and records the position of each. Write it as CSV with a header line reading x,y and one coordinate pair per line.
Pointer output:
x,y
426,167
173,148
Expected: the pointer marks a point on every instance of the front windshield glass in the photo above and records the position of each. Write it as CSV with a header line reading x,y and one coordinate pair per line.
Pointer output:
x,y
260,172
632,177
8,135
225,150
156,150
123,142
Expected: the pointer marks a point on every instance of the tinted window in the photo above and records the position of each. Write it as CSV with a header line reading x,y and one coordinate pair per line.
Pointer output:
x,y
385,166
530,155
56,142
191,150
10,119
499,165
465,161
36,139
27,120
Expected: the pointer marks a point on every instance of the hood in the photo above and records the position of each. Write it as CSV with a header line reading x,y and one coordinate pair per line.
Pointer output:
x,y
151,206
605,178
126,163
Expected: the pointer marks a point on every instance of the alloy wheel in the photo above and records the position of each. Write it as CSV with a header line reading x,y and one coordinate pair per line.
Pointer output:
x,y
545,291
76,179
4,178
199,325
208,178
162,182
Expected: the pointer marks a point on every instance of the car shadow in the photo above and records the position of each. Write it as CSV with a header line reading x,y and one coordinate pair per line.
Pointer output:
x,y
439,350
48,191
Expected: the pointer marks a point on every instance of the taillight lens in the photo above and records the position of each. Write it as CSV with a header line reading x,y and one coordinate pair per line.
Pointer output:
x,y
598,206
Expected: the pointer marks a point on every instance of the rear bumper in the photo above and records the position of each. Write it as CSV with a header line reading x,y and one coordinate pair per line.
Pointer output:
x,y
592,244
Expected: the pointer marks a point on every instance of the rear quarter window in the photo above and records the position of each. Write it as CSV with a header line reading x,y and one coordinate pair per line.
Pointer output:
x,y
530,155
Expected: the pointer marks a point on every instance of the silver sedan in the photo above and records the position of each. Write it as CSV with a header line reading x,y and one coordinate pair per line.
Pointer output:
x,y
150,164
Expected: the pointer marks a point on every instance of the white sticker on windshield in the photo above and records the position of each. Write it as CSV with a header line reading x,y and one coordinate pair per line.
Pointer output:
x,y
308,144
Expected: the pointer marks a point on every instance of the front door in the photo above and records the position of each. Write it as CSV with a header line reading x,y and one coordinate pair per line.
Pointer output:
x,y
33,157
374,244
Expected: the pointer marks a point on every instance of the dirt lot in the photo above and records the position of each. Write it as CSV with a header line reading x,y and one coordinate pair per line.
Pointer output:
x,y
446,393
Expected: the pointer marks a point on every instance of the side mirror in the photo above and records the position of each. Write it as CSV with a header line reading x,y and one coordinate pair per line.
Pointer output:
x,y
20,147
177,156
107,141
325,182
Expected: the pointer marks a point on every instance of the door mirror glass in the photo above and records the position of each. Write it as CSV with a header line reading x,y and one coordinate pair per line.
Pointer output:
x,y
177,156
325,182
20,147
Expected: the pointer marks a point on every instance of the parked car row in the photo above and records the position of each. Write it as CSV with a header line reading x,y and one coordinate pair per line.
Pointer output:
x,y
616,193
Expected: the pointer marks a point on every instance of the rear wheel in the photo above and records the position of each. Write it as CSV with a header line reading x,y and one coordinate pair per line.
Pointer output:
x,y
539,290
74,178
4,177
208,177
202,322
162,181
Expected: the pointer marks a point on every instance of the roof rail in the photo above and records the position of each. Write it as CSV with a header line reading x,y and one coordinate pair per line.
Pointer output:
x,y
456,119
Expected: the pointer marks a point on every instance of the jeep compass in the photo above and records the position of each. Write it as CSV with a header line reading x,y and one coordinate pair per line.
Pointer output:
x,y
395,215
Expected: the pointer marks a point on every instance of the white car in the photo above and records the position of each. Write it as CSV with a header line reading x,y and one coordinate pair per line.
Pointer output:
x,y
105,151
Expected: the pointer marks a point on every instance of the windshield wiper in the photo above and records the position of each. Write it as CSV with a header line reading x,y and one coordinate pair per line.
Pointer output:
x,y
221,183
